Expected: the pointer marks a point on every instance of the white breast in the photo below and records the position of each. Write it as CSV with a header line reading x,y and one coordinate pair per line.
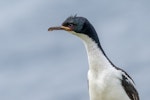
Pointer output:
x,y
106,85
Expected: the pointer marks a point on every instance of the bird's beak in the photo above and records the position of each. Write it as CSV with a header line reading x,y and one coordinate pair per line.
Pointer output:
x,y
59,28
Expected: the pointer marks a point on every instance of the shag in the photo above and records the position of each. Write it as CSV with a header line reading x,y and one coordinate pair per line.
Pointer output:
x,y
106,81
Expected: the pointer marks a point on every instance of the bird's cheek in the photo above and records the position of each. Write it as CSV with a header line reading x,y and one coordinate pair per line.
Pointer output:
x,y
72,28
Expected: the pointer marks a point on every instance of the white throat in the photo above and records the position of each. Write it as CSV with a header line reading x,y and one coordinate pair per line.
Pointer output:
x,y
97,60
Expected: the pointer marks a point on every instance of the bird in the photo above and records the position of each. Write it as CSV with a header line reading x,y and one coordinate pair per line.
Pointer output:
x,y
105,80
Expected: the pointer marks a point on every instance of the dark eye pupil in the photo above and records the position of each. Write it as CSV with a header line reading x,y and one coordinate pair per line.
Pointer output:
x,y
70,25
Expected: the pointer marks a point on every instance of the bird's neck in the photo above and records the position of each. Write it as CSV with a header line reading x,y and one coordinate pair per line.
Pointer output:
x,y
98,61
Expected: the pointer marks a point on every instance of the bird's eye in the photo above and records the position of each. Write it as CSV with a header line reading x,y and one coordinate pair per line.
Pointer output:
x,y
70,25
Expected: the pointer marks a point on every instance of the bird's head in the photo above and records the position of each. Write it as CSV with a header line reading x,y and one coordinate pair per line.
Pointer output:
x,y
72,23
78,26
75,24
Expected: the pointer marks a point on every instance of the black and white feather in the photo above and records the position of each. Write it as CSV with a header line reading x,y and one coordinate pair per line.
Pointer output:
x,y
129,87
